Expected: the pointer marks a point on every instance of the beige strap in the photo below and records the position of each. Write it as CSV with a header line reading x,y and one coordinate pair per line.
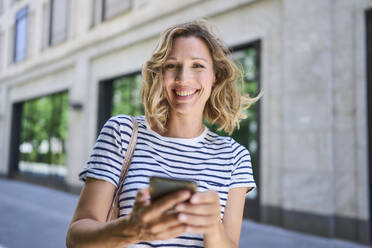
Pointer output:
x,y
124,171
129,152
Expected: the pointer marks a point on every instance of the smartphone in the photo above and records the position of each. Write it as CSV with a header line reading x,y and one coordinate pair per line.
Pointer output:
x,y
161,186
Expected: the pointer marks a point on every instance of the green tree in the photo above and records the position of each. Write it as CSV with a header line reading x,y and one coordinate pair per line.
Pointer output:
x,y
126,97
43,120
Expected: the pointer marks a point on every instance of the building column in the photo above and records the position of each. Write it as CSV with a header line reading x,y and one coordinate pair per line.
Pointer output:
x,y
77,135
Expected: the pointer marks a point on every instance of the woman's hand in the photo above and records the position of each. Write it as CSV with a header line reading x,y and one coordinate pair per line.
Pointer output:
x,y
202,213
154,221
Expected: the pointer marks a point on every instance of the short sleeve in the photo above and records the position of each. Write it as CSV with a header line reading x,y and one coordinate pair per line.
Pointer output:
x,y
106,159
242,172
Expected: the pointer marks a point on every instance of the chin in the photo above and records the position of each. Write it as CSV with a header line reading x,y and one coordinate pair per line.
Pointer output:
x,y
184,111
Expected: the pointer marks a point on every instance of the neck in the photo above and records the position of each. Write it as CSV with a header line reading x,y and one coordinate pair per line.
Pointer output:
x,y
181,126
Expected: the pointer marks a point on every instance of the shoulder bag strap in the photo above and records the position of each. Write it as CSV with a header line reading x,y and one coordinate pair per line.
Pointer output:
x,y
114,210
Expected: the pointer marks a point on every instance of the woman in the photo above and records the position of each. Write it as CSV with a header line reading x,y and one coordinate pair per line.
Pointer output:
x,y
188,79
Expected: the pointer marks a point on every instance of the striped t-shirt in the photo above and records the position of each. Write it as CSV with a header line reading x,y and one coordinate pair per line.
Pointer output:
x,y
213,162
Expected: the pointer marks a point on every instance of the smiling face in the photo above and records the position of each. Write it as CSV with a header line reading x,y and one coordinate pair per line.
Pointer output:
x,y
188,76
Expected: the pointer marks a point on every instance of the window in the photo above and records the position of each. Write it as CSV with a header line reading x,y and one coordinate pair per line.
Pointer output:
x,y
20,35
42,144
58,21
119,96
112,8
126,95
106,9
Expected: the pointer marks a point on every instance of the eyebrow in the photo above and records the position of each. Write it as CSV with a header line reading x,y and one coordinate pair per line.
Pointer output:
x,y
193,58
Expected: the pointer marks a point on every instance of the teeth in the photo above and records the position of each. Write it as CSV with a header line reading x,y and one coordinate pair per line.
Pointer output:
x,y
185,93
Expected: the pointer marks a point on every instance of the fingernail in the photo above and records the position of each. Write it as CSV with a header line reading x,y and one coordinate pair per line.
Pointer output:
x,y
182,217
186,193
180,207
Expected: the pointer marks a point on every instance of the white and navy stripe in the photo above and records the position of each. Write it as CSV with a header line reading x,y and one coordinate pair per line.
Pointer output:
x,y
214,162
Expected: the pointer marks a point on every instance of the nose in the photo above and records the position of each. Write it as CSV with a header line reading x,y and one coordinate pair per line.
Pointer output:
x,y
183,74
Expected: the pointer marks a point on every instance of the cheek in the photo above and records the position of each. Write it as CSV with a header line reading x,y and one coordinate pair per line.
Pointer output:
x,y
207,81
166,80
169,73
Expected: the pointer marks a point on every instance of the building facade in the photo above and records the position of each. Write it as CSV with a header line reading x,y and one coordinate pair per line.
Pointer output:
x,y
314,63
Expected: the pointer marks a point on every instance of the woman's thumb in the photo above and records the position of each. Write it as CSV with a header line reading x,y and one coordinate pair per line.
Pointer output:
x,y
143,197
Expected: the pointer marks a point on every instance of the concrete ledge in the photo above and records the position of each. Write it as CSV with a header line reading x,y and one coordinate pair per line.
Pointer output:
x,y
327,226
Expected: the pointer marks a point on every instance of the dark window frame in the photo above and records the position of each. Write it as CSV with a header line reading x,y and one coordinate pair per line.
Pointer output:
x,y
15,139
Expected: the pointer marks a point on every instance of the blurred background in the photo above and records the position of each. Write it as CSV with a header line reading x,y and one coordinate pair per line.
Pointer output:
x,y
67,66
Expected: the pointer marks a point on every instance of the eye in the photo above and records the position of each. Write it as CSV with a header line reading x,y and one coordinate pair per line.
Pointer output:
x,y
170,66
198,65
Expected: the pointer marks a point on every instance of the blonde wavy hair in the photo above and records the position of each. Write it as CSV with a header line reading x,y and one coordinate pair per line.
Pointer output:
x,y
225,107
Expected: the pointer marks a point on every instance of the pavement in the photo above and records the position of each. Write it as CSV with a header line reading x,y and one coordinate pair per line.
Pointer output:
x,y
35,216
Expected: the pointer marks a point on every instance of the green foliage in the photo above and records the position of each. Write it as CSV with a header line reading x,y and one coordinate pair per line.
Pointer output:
x,y
126,97
45,119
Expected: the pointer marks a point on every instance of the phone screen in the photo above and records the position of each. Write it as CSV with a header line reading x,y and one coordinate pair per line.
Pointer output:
x,y
160,186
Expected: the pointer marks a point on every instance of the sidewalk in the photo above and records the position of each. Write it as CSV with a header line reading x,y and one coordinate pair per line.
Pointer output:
x,y
34,216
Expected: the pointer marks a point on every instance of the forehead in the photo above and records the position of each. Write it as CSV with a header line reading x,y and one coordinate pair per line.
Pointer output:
x,y
189,47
